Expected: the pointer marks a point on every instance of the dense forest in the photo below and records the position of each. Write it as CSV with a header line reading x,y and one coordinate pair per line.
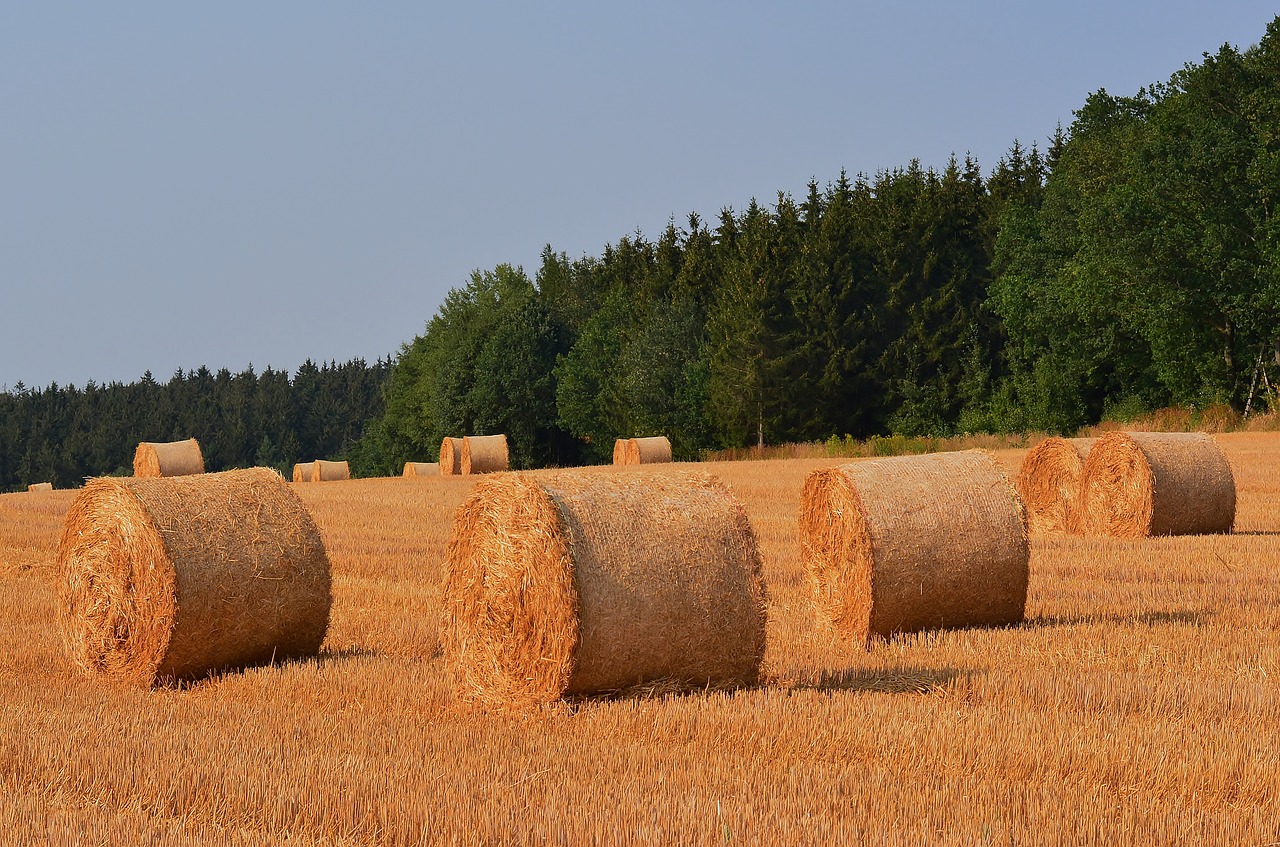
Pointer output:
x,y
1130,263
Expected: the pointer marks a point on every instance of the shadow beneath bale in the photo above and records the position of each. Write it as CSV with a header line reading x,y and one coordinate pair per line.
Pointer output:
x,y
1149,618
909,680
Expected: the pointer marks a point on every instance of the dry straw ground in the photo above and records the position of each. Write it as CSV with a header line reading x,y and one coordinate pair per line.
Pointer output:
x,y
1138,705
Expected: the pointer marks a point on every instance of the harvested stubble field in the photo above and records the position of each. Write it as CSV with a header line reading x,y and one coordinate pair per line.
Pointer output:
x,y
1138,704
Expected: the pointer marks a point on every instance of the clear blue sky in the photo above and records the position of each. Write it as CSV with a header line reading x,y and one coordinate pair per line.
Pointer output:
x,y
265,182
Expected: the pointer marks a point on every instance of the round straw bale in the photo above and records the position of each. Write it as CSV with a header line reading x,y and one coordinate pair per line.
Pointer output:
x,y
304,471
567,584
648,451
417,469
175,579
1157,483
40,486
1049,482
450,456
620,450
484,454
913,543
330,471
173,458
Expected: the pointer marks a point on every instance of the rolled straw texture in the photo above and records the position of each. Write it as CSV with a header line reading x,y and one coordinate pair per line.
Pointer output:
x,y
648,451
304,471
620,450
175,579
484,454
1157,483
1049,483
913,543
173,458
568,584
451,456
40,486
330,471
417,469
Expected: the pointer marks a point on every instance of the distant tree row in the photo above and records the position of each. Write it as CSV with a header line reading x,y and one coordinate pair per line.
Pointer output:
x,y
64,434
1135,263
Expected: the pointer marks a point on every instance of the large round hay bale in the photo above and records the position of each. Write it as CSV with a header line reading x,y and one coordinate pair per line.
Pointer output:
x,y
1049,483
324,471
620,450
173,458
484,454
567,584
417,469
1157,483
40,486
175,579
450,456
914,543
304,471
648,451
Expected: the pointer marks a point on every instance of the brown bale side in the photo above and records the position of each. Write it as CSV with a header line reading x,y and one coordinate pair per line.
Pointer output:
x,y
173,458
40,486
565,584
484,454
173,579
417,469
1049,483
913,543
620,450
451,456
1137,484
648,451
304,471
324,471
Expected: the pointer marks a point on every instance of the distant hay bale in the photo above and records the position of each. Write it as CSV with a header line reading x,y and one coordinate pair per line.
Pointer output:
x,y
568,584
40,486
304,471
330,471
1049,482
173,458
417,469
484,454
648,451
174,579
1137,484
450,456
913,543
620,450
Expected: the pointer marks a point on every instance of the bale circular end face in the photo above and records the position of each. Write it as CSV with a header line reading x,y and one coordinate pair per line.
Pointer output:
x,y
174,458
451,457
565,584
484,454
1049,483
324,471
1137,484
648,451
40,486
914,543
414,470
620,450
175,579
303,471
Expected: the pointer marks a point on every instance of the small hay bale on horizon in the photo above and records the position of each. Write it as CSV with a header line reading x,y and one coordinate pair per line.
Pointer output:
x,y
413,470
1137,484
915,543
652,450
165,459
1049,484
571,584
325,471
304,471
450,456
172,579
484,454
40,486
620,450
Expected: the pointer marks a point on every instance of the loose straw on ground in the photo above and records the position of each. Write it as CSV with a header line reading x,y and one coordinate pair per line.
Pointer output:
x,y
413,470
648,451
325,471
1049,482
1157,483
173,458
566,584
484,454
914,543
174,579
451,456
